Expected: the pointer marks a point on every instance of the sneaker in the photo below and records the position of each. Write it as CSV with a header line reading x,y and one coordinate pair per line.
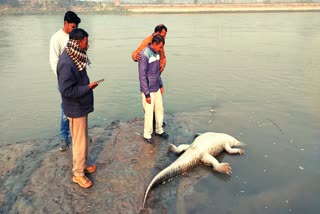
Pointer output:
x,y
163,135
150,140
83,181
90,169
64,145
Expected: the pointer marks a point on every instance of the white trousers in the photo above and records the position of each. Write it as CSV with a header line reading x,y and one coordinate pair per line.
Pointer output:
x,y
156,106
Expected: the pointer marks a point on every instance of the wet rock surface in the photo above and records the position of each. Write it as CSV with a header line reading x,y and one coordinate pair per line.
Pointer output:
x,y
37,178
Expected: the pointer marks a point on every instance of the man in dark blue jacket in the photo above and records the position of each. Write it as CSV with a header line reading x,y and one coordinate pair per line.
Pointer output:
x,y
151,88
77,98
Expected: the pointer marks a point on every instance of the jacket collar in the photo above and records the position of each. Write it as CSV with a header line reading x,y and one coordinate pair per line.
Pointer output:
x,y
149,45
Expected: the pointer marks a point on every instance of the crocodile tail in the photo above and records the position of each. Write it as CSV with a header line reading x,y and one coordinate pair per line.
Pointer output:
x,y
181,165
162,176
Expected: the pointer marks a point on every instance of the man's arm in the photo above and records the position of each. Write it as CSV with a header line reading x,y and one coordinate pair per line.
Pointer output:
x,y
67,83
136,54
143,78
163,60
161,86
54,54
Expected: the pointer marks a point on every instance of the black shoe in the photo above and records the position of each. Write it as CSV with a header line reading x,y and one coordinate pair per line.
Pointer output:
x,y
163,135
150,140
64,145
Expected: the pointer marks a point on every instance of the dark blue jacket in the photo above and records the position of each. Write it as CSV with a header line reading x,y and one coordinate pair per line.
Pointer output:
x,y
149,71
77,97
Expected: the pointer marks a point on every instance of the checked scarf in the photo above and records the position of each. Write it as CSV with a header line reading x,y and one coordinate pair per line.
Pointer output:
x,y
77,55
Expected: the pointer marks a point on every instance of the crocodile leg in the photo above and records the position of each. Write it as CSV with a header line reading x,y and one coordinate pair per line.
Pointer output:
x,y
233,150
209,160
178,150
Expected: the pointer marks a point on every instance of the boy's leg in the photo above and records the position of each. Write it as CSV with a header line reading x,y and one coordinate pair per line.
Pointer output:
x,y
159,112
148,115
64,131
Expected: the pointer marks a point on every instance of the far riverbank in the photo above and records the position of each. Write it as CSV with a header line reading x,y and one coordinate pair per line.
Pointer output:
x,y
164,8
216,8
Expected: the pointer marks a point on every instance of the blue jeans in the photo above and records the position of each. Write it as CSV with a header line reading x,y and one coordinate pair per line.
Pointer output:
x,y
64,126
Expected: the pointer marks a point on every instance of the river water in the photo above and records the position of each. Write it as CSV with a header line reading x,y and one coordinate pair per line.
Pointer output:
x,y
260,71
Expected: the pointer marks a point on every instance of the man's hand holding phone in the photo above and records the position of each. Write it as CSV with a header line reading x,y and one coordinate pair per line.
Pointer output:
x,y
99,81
93,85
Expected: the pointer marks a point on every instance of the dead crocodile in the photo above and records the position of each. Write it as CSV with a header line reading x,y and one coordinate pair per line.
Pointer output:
x,y
202,150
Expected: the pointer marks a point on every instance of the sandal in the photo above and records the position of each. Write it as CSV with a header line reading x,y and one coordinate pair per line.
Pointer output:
x,y
83,181
90,169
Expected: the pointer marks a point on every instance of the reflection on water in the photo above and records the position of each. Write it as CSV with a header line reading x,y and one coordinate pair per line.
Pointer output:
x,y
260,70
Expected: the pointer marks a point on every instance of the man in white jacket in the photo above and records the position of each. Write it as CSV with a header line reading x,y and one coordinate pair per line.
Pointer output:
x,y
57,44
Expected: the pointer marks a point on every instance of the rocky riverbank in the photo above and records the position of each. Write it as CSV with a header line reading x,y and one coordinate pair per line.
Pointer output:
x,y
36,177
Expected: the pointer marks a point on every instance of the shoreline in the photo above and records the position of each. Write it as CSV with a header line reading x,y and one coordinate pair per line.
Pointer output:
x,y
223,8
165,8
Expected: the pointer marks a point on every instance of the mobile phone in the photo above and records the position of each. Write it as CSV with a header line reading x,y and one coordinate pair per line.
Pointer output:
x,y
100,81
